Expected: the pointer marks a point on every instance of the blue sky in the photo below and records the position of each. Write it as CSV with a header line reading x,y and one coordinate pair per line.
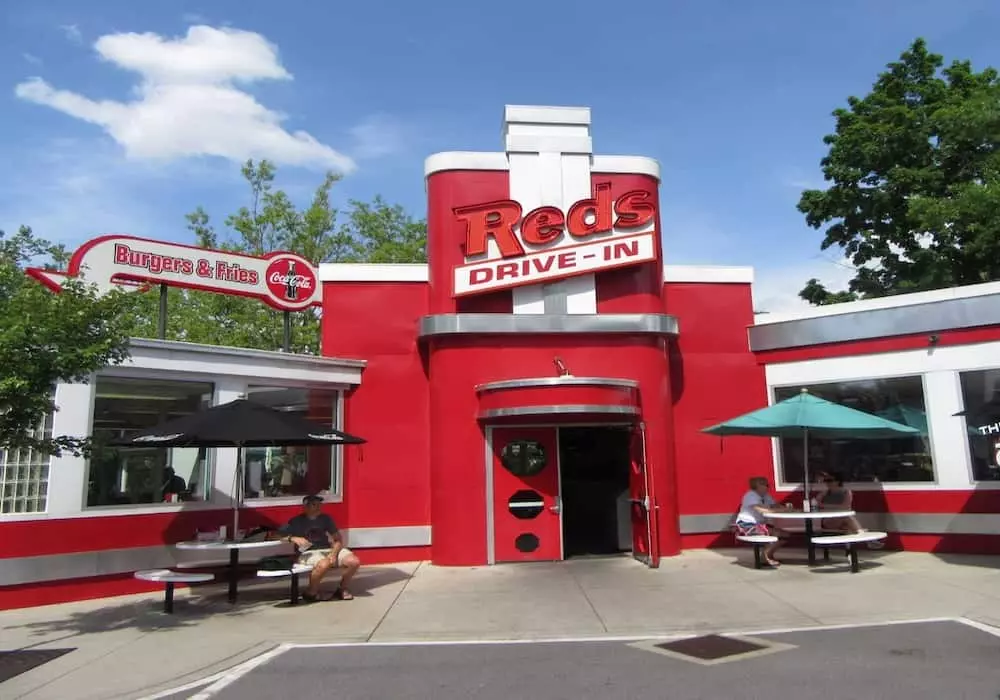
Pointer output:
x,y
733,98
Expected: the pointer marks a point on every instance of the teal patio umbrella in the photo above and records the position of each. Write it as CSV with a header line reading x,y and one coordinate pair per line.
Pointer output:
x,y
804,415
907,415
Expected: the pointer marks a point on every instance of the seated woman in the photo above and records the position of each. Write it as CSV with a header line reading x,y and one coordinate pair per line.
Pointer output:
x,y
839,497
752,518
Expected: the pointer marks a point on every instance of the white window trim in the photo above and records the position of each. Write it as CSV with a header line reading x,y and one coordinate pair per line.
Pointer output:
x,y
939,370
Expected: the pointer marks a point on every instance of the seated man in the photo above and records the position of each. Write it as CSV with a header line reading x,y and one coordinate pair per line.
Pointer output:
x,y
315,535
752,518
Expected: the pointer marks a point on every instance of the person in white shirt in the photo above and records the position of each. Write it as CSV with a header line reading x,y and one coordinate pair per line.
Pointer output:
x,y
752,518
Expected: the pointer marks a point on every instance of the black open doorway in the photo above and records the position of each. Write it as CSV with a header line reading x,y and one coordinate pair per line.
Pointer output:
x,y
594,465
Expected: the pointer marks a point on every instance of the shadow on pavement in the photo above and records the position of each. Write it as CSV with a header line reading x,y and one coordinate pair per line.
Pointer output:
x,y
140,615
270,591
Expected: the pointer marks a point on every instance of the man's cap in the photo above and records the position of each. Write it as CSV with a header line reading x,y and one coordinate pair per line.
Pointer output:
x,y
314,498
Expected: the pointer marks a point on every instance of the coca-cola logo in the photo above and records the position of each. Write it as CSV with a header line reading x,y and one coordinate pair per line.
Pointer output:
x,y
290,279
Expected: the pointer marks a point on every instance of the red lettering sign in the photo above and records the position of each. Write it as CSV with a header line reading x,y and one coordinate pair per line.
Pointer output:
x,y
285,281
546,225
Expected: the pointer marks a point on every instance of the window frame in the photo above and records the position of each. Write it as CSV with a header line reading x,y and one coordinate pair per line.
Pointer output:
x,y
780,485
984,484
336,453
211,455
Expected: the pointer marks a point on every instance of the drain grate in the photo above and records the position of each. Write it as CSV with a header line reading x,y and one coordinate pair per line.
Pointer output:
x,y
711,649
14,663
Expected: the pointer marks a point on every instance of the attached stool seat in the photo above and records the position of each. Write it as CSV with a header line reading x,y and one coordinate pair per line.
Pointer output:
x,y
296,571
852,541
168,577
758,542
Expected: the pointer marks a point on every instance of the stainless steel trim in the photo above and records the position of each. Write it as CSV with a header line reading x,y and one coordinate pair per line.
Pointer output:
x,y
459,324
558,410
557,381
559,495
877,323
904,523
491,547
217,350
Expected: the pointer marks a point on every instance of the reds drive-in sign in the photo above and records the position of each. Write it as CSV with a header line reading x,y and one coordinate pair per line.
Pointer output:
x,y
285,281
546,244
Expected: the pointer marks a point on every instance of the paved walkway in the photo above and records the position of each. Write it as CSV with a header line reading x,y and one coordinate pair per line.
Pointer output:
x,y
126,648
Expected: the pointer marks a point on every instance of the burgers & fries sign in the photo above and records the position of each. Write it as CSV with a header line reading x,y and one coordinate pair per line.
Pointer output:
x,y
284,281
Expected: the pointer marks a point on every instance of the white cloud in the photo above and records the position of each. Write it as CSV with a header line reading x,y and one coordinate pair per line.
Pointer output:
x,y
193,18
188,103
72,33
377,136
776,290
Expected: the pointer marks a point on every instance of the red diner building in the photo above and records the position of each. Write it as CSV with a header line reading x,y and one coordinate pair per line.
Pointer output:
x,y
536,391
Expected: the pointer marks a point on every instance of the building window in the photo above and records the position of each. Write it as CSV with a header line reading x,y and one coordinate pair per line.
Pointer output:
x,y
24,476
892,460
274,472
136,475
981,401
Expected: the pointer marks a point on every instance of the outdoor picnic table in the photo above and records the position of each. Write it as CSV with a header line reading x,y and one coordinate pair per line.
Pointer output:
x,y
809,517
233,547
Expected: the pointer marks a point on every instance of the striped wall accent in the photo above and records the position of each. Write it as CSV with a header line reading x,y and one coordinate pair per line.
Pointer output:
x,y
905,523
59,567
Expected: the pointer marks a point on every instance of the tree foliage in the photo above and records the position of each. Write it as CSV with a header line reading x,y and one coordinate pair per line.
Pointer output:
x,y
914,167
366,232
46,338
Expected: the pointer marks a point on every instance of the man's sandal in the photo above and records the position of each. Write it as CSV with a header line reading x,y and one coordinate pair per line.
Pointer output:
x,y
320,597
342,594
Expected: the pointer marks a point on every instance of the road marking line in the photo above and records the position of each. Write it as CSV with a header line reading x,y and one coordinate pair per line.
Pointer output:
x,y
237,672
612,639
187,686
981,626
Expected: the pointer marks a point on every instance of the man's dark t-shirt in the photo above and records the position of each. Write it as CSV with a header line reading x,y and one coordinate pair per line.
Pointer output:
x,y
313,529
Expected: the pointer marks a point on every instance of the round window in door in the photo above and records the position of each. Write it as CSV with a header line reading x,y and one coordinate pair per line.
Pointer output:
x,y
523,457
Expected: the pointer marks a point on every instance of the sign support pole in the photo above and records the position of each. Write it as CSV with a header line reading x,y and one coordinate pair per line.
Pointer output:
x,y
161,330
286,344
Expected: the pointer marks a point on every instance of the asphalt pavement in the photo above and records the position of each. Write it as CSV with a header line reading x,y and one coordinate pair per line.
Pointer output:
x,y
932,661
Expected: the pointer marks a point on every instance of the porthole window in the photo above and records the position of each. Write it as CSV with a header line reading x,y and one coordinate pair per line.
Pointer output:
x,y
526,542
526,504
523,457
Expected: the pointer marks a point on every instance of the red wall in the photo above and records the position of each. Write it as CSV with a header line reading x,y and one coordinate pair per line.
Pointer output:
x,y
458,486
387,480
714,377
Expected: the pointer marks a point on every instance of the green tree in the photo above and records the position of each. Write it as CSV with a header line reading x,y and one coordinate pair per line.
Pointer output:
x,y
915,170
366,232
46,338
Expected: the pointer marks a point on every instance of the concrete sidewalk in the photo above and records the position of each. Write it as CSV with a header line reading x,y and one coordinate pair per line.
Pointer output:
x,y
126,648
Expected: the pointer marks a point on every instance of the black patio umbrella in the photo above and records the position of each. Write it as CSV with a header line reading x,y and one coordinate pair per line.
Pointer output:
x,y
241,423
982,415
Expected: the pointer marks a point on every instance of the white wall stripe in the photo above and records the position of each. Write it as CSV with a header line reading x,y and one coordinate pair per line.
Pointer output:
x,y
59,567
902,523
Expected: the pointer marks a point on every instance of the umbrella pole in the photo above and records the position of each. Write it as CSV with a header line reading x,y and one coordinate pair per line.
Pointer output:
x,y
805,469
238,500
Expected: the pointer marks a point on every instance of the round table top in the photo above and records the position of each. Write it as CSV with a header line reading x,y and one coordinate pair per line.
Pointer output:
x,y
811,515
226,544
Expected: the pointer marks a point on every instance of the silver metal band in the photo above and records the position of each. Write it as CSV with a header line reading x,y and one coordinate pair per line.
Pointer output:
x,y
458,324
